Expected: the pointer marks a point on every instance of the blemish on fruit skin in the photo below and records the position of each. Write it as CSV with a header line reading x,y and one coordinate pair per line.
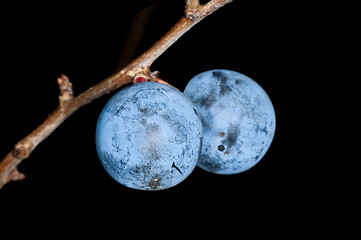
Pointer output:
x,y
155,183
207,101
221,148
177,168
224,87
232,136
195,111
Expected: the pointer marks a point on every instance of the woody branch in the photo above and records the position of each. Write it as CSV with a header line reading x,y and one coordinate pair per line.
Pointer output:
x,y
68,103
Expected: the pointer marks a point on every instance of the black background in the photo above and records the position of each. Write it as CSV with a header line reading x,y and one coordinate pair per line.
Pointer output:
x,y
64,177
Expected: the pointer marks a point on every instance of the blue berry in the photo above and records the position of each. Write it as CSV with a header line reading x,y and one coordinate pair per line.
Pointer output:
x,y
238,120
148,136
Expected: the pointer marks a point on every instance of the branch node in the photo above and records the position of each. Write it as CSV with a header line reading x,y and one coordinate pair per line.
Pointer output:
x,y
66,89
22,150
15,175
192,9
195,11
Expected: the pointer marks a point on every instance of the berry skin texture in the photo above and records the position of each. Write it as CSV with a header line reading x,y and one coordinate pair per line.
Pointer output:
x,y
148,136
238,120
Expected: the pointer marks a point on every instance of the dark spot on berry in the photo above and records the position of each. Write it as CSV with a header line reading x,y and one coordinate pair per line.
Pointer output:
x,y
207,101
262,130
195,111
222,78
239,81
177,168
232,135
219,75
143,110
221,148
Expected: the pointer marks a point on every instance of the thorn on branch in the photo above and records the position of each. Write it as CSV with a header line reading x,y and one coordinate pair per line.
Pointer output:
x,y
66,89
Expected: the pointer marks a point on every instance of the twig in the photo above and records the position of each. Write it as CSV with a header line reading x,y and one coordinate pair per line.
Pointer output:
x,y
194,12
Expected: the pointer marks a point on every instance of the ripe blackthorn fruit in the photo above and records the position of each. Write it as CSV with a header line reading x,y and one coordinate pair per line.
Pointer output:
x,y
148,136
238,120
